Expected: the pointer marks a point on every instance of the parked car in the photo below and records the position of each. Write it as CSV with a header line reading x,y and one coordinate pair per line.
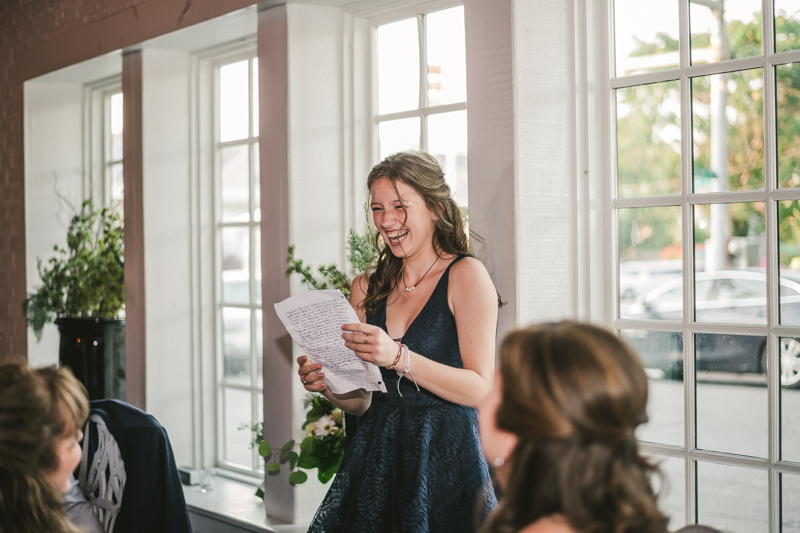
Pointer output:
x,y
721,297
639,277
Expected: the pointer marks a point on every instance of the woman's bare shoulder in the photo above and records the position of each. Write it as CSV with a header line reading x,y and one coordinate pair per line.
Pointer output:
x,y
468,270
549,524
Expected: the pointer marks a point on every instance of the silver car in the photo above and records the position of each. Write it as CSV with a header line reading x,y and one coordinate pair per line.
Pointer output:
x,y
723,297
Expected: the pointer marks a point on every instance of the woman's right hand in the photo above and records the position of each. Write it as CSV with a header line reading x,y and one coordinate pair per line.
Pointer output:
x,y
310,376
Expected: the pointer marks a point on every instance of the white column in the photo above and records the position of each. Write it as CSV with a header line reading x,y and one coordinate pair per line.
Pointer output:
x,y
166,203
521,133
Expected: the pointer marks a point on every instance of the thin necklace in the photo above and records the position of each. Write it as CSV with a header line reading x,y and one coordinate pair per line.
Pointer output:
x,y
414,286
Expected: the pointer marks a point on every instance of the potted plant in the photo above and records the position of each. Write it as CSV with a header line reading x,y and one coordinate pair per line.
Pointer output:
x,y
328,429
82,289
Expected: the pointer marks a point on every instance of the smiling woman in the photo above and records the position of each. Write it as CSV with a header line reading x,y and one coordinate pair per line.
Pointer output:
x,y
428,313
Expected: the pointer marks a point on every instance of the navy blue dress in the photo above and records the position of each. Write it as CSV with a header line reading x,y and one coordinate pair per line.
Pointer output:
x,y
415,464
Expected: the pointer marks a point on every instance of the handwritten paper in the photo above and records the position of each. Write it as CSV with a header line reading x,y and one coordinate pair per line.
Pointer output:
x,y
314,320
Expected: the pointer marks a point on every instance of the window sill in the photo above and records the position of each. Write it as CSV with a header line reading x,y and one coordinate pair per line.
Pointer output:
x,y
232,507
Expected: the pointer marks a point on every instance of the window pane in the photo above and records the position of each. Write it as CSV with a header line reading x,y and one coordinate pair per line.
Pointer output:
x,y
650,263
257,183
236,345
789,249
255,97
398,66
649,139
238,411
116,127
235,265
235,184
259,461
259,349
234,106
117,183
730,261
398,135
732,499
790,399
790,503
731,394
728,131
741,20
447,60
258,265
645,35
787,25
787,79
661,353
447,141
672,492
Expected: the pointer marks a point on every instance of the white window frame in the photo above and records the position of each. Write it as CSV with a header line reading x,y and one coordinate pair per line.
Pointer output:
x,y
97,120
215,59
686,200
423,111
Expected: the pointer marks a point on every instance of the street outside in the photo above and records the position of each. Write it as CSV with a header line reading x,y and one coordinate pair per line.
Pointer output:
x,y
731,417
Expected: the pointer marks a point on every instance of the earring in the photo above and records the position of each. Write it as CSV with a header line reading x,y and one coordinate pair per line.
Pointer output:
x,y
499,461
435,218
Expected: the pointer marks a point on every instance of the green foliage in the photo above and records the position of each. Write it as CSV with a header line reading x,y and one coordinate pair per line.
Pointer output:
x,y
362,253
322,448
648,127
85,279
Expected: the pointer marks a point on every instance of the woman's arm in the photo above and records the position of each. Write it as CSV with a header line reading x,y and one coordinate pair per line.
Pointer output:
x,y
354,402
473,299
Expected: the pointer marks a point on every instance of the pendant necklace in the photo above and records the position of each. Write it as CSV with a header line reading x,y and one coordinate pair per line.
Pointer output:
x,y
414,286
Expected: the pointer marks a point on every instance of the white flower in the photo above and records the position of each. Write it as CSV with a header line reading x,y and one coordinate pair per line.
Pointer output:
x,y
324,426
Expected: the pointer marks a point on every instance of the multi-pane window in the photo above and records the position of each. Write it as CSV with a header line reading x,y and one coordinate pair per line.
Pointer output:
x,y
112,149
707,218
239,317
422,91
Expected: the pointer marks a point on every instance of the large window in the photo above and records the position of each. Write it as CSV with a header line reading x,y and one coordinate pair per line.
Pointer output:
x,y
238,237
422,91
707,225
112,149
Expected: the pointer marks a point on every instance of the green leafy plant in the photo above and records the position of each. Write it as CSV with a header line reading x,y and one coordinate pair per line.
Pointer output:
x,y
362,253
322,448
85,279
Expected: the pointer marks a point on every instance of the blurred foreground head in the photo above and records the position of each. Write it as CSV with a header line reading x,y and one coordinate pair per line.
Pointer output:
x,y
40,409
559,430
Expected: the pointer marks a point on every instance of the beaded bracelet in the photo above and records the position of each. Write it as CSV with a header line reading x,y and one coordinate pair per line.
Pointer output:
x,y
397,359
405,371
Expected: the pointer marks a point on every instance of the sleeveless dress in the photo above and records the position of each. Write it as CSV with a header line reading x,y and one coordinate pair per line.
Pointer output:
x,y
415,464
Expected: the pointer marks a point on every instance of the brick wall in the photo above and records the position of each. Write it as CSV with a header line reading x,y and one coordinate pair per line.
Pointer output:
x,y
39,36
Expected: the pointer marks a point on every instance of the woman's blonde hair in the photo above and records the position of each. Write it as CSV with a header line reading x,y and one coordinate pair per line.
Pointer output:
x,y
573,394
33,403
422,172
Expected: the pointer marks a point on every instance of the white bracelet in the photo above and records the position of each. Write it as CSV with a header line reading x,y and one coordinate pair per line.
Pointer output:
x,y
405,371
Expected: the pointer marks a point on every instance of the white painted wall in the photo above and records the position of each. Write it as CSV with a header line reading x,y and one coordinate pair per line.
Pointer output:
x,y
544,135
53,147
167,261
521,129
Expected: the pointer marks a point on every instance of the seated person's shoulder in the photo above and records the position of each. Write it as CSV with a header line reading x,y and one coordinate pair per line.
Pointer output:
x,y
549,524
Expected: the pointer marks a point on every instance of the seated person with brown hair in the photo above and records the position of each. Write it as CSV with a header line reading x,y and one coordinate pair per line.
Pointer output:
x,y
558,429
42,412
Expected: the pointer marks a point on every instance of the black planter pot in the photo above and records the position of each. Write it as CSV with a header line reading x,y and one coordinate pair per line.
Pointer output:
x,y
94,349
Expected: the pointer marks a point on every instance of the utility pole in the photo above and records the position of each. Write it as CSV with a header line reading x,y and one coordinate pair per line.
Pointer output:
x,y
716,251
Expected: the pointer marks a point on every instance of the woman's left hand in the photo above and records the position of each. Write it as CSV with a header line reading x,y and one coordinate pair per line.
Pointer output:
x,y
370,343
